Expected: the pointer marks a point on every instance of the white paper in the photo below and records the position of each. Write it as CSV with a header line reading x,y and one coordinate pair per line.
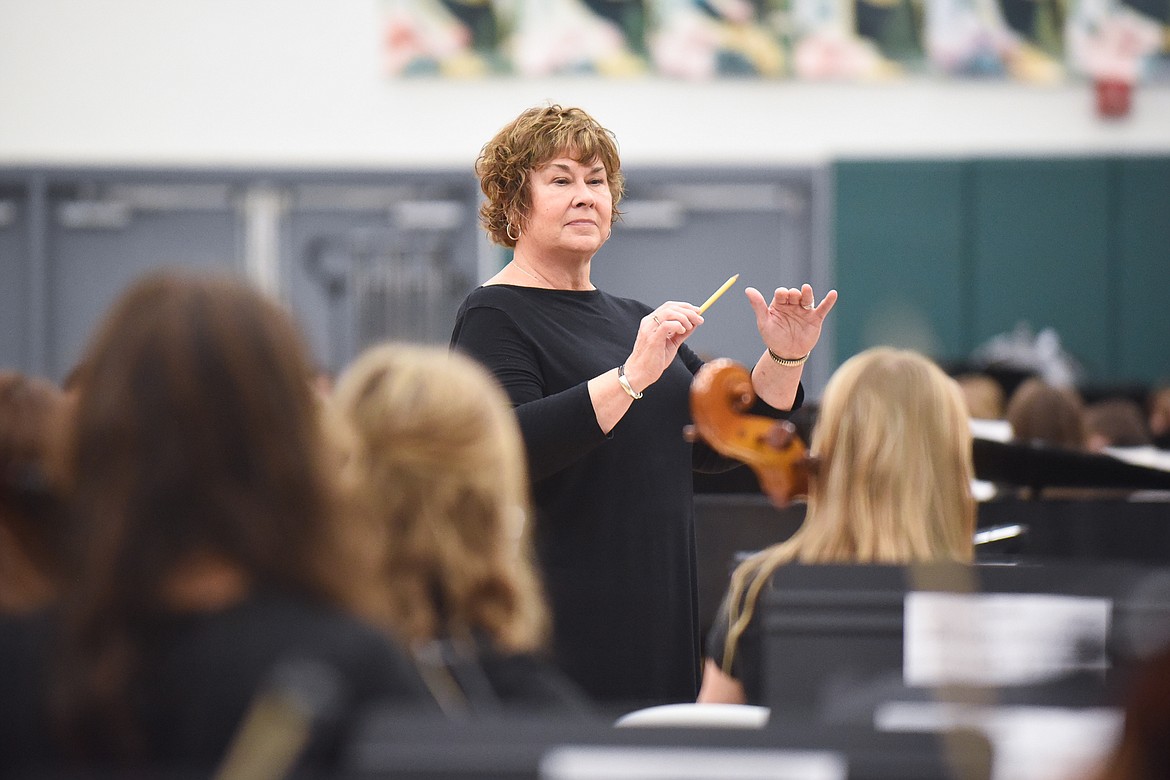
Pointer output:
x,y
1001,639
1028,743
595,762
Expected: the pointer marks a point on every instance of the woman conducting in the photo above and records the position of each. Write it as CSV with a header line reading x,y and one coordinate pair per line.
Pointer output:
x,y
891,485
601,388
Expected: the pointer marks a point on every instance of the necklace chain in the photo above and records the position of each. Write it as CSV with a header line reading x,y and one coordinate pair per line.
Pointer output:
x,y
525,270
549,285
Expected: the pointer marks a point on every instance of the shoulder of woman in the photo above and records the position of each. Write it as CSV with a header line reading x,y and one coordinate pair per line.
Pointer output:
x,y
496,295
484,292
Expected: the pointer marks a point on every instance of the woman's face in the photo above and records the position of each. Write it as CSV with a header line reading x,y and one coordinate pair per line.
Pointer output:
x,y
571,209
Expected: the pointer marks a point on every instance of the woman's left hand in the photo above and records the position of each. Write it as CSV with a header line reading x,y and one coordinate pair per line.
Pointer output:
x,y
791,324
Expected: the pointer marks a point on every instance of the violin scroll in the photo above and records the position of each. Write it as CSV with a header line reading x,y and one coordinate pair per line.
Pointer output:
x,y
721,394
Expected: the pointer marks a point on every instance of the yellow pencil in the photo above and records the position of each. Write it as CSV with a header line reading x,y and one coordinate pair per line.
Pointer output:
x,y
715,295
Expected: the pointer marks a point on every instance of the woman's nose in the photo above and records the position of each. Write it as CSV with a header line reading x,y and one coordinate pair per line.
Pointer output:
x,y
583,196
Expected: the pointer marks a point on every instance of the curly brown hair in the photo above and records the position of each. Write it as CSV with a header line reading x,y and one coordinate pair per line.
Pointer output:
x,y
526,144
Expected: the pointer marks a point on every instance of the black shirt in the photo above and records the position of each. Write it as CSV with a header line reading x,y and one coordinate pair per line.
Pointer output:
x,y
614,530
201,672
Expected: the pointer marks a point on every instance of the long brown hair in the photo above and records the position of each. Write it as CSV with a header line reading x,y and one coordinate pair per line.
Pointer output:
x,y
195,433
439,461
893,483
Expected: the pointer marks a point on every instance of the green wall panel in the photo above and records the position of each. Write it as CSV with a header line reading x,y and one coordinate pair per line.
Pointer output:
x,y
899,237
1142,306
1040,253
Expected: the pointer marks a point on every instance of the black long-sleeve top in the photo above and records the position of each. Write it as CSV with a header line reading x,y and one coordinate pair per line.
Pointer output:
x,y
614,528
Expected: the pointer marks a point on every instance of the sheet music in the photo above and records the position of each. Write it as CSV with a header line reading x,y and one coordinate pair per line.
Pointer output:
x,y
1030,743
1001,638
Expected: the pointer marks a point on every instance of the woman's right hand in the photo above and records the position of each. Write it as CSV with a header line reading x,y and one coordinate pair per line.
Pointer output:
x,y
660,334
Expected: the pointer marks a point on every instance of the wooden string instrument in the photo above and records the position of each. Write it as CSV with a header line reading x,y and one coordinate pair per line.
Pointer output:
x,y
721,394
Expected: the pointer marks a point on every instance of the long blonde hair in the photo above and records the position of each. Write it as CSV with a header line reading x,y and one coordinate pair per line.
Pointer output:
x,y
438,463
893,483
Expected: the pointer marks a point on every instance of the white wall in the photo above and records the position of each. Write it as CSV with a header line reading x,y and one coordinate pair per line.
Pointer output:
x,y
297,83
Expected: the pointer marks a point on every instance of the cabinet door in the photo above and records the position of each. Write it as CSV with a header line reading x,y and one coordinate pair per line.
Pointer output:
x,y
1041,253
900,245
104,235
371,261
1143,246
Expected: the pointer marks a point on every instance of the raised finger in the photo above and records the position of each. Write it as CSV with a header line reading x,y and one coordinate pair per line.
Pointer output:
x,y
827,303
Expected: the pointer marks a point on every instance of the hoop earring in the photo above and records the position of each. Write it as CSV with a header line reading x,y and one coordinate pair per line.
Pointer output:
x,y
508,232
